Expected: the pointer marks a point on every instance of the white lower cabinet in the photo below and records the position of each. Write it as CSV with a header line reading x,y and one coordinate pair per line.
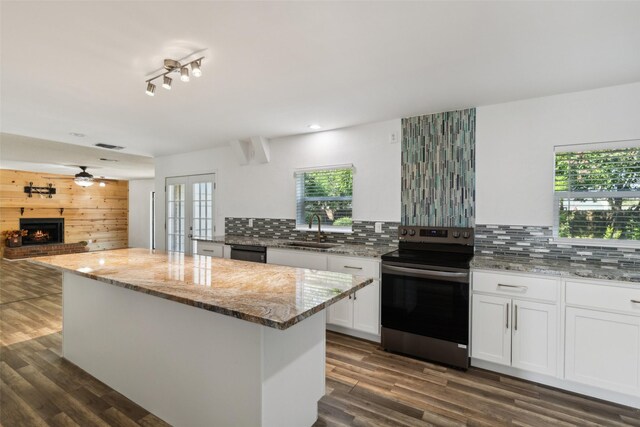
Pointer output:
x,y
210,249
602,344
295,258
593,348
490,329
513,331
361,311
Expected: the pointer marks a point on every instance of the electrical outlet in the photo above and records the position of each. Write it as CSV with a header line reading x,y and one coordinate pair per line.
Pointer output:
x,y
378,227
251,222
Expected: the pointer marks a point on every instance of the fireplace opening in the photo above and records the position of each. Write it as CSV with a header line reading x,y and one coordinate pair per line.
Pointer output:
x,y
42,231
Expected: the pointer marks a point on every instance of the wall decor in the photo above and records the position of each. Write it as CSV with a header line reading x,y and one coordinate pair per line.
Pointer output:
x,y
49,191
438,169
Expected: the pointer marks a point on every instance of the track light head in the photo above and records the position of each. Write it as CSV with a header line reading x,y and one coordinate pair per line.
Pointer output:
x,y
151,89
195,68
184,74
166,82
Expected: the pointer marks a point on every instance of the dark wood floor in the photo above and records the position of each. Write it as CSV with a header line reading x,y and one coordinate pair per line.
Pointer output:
x,y
365,386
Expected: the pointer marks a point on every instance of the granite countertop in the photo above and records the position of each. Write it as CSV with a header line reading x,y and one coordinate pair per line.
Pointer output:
x,y
358,250
271,295
557,268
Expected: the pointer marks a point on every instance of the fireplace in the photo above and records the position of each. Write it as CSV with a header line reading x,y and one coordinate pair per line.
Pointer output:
x,y
42,231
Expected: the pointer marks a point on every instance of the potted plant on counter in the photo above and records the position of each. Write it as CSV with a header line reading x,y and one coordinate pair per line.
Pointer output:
x,y
14,237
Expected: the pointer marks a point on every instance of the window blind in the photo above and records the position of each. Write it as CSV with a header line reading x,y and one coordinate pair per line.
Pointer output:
x,y
597,194
326,192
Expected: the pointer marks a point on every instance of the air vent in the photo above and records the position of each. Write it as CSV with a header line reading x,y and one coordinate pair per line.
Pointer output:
x,y
107,160
109,146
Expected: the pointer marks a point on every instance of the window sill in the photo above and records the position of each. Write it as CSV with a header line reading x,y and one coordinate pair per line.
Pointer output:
x,y
634,244
343,230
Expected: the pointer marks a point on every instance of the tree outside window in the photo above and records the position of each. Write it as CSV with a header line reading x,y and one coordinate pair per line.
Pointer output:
x,y
597,194
327,193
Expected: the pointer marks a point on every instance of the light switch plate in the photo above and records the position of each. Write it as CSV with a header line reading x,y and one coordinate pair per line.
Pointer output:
x,y
378,227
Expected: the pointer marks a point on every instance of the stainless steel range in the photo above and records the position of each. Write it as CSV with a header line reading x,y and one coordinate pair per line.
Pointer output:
x,y
425,294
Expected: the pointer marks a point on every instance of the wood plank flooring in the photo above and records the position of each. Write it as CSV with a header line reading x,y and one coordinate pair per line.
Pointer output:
x,y
365,386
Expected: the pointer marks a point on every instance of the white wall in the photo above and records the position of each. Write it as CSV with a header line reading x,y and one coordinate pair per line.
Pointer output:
x,y
268,190
140,212
514,147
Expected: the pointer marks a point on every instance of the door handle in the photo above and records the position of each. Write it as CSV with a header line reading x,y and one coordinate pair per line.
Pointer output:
x,y
507,316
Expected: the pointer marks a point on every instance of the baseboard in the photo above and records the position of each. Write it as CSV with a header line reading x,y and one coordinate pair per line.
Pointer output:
x,y
598,393
354,333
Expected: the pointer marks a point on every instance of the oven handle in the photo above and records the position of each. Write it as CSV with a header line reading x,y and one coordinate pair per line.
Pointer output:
x,y
449,276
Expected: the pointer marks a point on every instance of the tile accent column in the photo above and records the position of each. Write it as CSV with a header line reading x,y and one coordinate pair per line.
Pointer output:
x,y
438,169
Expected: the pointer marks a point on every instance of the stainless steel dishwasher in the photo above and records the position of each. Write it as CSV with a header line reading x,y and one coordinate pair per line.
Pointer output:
x,y
249,253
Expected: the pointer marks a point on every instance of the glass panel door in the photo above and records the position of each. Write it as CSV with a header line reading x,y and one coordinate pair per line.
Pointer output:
x,y
190,207
176,195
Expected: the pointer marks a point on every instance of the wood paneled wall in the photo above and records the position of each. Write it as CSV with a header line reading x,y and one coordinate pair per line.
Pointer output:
x,y
98,215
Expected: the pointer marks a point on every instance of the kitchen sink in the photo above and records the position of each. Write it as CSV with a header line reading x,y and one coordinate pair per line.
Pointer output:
x,y
315,245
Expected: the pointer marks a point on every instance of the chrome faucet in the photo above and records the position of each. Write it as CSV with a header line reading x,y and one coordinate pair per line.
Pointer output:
x,y
311,223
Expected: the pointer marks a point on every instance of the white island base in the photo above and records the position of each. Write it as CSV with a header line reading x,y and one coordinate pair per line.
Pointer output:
x,y
193,367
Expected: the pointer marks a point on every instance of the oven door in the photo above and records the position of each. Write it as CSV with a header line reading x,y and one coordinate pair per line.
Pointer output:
x,y
426,302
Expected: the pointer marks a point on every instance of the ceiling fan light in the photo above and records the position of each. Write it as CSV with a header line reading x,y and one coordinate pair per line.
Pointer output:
x,y
166,82
151,89
84,178
184,74
195,69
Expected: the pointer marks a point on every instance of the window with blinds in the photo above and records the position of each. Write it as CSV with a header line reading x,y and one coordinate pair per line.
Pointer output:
x,y
597,194
327,193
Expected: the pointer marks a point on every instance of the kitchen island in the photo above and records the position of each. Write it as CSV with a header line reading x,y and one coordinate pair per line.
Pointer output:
x,y
201,341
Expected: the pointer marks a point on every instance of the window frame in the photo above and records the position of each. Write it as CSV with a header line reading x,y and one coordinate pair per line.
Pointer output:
x,y
304,226
558,195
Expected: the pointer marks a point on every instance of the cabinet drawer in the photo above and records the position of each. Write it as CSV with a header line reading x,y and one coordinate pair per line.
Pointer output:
x,y
358,266
210,249
516,286
605,297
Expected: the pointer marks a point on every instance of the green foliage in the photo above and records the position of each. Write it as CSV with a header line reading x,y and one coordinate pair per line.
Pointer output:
x,y
345,221
587,214
328,193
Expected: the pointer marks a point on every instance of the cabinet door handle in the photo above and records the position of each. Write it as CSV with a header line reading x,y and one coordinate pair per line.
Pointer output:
x,y
521,288
507,316
353,268
515,318
349,296
354,296
206,250
635,301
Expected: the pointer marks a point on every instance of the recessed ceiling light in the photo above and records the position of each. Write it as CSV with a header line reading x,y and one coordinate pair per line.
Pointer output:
x,y
315,127
77,134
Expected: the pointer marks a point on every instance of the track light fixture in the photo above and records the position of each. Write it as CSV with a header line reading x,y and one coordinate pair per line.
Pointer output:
x,y
84,178
173,66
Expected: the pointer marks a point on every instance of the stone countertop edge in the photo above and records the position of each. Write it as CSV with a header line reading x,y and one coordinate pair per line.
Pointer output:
x,y
349,249
215,308
561,269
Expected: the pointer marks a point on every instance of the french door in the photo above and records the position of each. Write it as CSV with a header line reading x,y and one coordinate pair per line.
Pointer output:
x,y
190,208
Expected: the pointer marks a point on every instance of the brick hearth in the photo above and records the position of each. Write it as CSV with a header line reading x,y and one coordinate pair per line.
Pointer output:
x,y
31,251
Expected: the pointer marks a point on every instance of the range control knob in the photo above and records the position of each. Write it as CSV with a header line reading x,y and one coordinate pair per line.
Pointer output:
x,y
403,231
466,234
456,234
412,232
